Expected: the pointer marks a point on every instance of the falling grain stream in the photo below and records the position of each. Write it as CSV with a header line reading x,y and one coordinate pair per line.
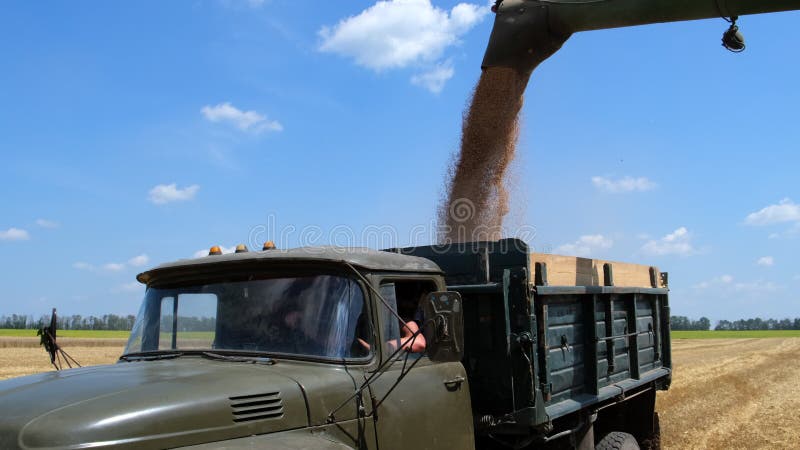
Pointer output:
x,y
477,200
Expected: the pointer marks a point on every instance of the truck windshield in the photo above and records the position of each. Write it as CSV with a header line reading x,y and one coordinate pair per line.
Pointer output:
x,y
321,316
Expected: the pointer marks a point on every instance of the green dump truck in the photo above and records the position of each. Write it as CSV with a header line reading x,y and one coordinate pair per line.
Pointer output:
x,y
303,348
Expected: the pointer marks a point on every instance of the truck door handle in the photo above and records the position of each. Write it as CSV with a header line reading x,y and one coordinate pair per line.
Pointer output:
x,y
455,383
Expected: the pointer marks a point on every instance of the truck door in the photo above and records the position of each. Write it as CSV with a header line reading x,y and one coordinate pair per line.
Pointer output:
x,y
425,404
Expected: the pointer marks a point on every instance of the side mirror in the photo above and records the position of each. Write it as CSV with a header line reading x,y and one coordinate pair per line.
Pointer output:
x,y
444,326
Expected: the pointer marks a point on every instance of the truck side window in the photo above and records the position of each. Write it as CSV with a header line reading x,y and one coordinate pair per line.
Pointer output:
x,y
197,317
359,328
405,296
194,324
391,330
167,323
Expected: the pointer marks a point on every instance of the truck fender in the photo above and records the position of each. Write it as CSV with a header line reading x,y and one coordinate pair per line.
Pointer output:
x,y
296,439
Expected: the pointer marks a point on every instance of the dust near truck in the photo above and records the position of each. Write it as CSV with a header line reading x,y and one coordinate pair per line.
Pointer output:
x,y
523,351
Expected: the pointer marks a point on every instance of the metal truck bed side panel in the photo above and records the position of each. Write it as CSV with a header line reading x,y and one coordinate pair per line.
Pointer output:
x,y
535,351
597,346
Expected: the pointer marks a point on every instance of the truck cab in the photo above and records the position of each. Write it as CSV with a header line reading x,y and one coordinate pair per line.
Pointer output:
x,y
257,349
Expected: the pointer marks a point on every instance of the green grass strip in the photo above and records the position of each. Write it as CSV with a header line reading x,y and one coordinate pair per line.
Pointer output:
x,y
89,334
735,334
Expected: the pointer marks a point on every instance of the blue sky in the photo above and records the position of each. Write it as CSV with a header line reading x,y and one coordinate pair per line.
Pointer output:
x,y
134,134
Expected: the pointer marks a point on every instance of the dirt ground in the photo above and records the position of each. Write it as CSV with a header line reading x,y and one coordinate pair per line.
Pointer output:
x,y
725,394
24,356
732,394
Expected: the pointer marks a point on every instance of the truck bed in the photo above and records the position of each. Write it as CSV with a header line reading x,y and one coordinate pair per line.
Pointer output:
x,y
547,336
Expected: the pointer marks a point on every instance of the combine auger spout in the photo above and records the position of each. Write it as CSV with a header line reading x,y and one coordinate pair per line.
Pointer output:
x,y
526,32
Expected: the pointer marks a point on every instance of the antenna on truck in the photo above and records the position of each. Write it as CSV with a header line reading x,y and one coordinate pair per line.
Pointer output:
x,y
48,341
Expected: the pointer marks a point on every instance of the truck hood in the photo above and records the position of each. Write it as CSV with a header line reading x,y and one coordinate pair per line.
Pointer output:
x,y
148,404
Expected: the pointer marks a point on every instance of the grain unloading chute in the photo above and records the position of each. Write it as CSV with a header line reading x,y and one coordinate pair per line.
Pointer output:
x,y
526,32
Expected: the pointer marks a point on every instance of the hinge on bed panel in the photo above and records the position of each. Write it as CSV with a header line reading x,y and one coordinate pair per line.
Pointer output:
x,y
541,274
484,261
547,389
608,275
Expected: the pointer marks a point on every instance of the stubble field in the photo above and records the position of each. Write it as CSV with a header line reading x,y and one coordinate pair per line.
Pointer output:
x,y
732,394
725,394
23,356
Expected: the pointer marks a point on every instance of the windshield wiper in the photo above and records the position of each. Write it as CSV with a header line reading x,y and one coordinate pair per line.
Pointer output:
x,y
239,358
150,356
153,356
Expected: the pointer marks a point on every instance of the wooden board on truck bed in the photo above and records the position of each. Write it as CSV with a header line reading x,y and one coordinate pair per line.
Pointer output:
x,y
576,271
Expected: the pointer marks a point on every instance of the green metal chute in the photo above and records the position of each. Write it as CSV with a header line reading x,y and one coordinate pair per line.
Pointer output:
x,y
526,32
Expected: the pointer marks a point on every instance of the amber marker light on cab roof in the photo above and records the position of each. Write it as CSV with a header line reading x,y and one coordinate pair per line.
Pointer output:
x,y
215,250
241,248
269,245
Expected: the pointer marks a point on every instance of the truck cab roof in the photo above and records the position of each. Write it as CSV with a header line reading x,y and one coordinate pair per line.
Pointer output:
x,y
357,256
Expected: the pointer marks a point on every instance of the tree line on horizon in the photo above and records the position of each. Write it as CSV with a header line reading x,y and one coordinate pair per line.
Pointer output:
x,y
110,322
125,323
73,322
683,323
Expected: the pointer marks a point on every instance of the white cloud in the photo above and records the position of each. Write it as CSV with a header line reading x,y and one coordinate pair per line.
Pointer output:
x,y
166,193
113,267
242,4
136,261
395,34
784,211
14,234
243,120
715,282
625,184
585,245
44,223
675,243
204,252
726,279
139,261
790,233
82,266
133,286
434,79
766,261
758,286
727,283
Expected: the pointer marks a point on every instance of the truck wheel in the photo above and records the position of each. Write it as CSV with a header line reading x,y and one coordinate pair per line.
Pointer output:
x,y
617,440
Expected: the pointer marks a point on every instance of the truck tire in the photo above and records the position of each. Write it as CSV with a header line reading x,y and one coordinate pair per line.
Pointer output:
x,y
617,440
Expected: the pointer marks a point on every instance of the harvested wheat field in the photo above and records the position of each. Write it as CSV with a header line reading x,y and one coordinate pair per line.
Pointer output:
x,y
725,394
24,356
732,394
